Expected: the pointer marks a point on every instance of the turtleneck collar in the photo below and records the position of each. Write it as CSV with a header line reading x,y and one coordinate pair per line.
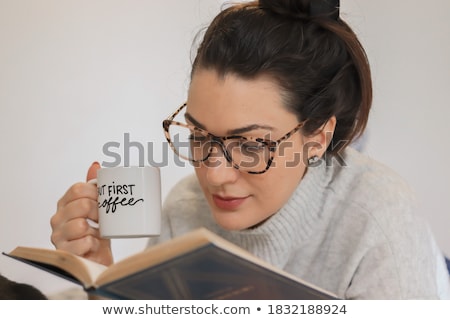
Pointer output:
x,y
292,224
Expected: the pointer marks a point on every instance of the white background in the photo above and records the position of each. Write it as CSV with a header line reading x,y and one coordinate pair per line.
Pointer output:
x,y
76,74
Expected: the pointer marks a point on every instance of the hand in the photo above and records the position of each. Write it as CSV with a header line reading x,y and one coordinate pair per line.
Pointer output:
x,y
71,230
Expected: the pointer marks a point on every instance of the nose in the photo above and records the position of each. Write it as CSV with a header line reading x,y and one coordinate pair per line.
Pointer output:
x,y
219,170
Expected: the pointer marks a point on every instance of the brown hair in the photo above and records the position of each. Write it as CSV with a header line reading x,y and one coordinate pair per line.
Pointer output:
x,y
317,61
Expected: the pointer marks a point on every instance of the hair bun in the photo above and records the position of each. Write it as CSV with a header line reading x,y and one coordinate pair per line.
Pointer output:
x,y
326,8
303,9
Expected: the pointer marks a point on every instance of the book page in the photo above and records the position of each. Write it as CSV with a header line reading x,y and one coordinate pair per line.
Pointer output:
x,y
84,270
95,269
154,255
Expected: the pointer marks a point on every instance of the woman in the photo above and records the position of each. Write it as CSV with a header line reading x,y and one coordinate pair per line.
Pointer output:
x,y
279,89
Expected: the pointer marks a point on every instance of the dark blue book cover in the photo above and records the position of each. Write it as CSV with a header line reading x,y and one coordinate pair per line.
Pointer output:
x,y
198,265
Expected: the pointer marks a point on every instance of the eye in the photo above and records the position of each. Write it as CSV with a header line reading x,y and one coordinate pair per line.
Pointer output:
x,y
251,147
197,136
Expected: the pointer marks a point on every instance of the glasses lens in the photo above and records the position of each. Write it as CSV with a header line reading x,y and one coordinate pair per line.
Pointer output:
x,y
196,145
248,155
189,144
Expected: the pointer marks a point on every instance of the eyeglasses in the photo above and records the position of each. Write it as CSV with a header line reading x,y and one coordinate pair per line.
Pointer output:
x,y
252,155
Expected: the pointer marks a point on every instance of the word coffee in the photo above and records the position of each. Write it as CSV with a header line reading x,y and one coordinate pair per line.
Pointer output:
x,y
117,195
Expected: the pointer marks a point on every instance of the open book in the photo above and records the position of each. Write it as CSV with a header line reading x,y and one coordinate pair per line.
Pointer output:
x,y
197,265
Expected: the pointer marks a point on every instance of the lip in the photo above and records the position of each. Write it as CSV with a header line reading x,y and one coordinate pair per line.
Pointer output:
x,y
228,203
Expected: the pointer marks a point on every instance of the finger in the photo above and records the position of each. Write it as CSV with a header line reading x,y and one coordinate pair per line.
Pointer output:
x,y
81,246
79,209
102,255
92,172
78,191
72,230
76,229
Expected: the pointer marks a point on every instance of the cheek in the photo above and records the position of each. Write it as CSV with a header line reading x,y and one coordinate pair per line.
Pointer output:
x,y
291,155
283,177
201,175
275,189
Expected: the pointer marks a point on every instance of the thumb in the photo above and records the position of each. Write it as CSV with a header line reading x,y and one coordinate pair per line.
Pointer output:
x,y
92,172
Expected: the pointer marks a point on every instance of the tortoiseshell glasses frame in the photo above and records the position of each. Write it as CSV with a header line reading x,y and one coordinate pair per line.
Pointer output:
x,y
234,146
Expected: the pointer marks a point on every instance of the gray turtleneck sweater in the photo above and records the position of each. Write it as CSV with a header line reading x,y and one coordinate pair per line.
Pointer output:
x,y
350,229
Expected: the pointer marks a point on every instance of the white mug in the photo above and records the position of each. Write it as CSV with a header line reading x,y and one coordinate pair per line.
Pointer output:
x,y
129,202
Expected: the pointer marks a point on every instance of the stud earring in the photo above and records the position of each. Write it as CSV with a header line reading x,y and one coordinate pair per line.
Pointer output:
x,y
313,161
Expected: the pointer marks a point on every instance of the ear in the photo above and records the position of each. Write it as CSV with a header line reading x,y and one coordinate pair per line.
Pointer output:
x,y
318,142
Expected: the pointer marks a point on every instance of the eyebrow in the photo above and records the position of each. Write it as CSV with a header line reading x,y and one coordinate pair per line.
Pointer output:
x,y
236,131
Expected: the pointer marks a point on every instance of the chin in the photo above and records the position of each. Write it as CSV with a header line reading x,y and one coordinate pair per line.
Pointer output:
x,y
230,221
234,221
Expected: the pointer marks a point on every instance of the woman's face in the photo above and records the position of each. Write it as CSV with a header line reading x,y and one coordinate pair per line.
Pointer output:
x,y
254,108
